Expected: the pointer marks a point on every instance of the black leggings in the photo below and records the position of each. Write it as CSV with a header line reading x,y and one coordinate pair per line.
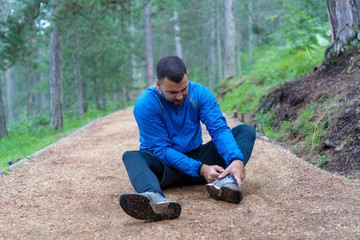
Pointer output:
x,y
148,173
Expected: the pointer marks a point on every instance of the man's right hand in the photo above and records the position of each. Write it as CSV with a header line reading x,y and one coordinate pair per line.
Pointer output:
x,y
210,172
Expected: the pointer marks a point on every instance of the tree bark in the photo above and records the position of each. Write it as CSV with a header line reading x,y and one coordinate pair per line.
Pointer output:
x,y
124,98
78,79
344,21
3,130
203,56
96,92
36,95
282,24
178,46
238,54
218,43
56,99
29,103
230,33
9,94
84,94
103,84
104,93
148,46
134,67
116,96
43,97
211,50
250,33
238,45
203,31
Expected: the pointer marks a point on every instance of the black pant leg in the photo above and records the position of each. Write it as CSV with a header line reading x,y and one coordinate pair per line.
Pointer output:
x,y
144,170
245,136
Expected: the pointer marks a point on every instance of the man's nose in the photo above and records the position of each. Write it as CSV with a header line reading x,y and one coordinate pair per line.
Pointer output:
x,y
179,96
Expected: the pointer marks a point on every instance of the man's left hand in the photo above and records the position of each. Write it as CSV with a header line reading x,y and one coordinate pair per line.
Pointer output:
x,y
237,169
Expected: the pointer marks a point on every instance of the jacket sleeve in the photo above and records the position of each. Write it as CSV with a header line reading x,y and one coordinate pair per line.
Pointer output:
x,y
215,122
153,132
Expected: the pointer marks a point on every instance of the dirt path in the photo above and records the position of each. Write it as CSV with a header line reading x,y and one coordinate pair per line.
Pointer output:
x,y
71,192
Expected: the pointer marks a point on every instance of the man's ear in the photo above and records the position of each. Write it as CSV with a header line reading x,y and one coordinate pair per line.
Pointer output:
x,y
158,84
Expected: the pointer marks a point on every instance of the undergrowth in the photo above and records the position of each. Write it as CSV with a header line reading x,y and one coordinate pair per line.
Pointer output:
x,y
308,131
272,69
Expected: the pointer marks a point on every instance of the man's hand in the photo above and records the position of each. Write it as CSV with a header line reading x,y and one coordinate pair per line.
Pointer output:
x,y
210,172
237,169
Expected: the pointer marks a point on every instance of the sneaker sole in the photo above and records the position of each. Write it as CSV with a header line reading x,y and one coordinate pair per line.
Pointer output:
x,y
141,207
224,194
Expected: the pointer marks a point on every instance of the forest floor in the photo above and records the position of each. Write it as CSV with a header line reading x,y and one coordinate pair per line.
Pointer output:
x,y
71,192
337,87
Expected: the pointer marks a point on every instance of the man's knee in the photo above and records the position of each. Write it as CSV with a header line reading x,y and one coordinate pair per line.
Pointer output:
x,y
246,130
130,155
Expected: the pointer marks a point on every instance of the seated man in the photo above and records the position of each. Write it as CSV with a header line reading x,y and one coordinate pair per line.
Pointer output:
x,y
171,152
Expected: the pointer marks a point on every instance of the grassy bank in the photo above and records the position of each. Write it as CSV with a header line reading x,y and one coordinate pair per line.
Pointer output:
x,y
272,68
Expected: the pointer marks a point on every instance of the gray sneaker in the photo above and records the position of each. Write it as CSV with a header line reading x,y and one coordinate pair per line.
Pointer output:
x,y
149,206
225,189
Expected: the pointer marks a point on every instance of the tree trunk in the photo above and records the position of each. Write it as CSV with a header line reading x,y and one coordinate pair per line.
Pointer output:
x,y
134,67
103,85
29,103
84,95
345,27
44,100
211,50
230,31
238,42
124,99
203,31
203,56
96,92
238,53
178,46
78,78
36,95
148,46
282,24
9,93
104,93
3,130
218,43
56,100
250,34
116,96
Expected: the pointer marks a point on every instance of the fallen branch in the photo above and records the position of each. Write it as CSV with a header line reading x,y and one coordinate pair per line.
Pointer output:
x,y
222,92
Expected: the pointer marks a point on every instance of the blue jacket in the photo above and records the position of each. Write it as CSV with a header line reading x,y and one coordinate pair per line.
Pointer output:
x,y
170,131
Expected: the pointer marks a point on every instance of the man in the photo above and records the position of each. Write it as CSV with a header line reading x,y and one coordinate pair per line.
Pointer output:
x,y
171,150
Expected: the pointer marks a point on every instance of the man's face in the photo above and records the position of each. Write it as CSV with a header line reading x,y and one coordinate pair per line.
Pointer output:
x,y
174,93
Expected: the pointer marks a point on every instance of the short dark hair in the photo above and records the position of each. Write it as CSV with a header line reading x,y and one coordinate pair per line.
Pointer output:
x,y
171,67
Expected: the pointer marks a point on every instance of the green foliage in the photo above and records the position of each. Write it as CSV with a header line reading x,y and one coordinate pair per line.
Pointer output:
x,y
322,161
26,138
14,31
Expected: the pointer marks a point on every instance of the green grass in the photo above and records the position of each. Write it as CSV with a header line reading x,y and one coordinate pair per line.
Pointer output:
x,y
271,69
28,137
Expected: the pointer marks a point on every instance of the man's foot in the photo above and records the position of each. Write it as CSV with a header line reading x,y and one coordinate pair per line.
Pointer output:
x,y
149,206
225,189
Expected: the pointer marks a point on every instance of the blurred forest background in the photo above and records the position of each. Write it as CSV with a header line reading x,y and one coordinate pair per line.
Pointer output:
x,y
66,62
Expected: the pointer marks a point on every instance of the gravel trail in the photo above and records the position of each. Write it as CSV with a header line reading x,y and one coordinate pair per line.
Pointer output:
x,y
71,192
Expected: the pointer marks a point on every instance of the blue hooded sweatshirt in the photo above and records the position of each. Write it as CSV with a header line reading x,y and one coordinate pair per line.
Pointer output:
x,y
169,131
